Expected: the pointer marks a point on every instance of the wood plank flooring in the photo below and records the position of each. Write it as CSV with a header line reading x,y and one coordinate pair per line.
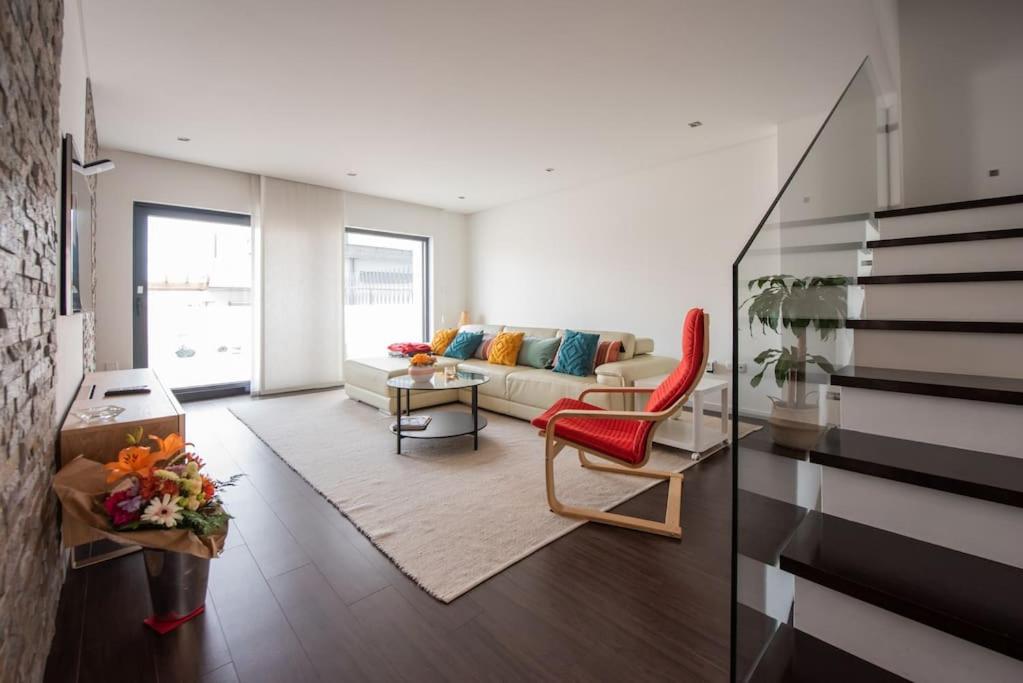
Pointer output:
x,y
300,595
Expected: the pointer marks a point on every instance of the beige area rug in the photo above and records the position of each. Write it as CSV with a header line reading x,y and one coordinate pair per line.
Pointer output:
x,y
447,516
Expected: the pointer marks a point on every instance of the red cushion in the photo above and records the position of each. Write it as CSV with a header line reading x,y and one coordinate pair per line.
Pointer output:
x,y
684,376
620,438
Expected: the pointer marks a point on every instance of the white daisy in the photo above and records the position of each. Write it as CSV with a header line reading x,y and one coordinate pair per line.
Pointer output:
x,y
165,512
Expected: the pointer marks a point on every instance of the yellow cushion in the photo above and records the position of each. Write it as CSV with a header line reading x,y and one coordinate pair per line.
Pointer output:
x,y
441,339
505,349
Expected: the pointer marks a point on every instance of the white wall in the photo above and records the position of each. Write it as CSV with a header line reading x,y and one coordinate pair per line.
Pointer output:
x,y
962,98
147,179
631,253
448,251
73,73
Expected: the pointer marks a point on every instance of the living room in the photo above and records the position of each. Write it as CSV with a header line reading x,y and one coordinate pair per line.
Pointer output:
x,y
462,341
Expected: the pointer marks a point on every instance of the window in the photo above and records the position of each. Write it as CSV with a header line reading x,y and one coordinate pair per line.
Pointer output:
x,y
386,290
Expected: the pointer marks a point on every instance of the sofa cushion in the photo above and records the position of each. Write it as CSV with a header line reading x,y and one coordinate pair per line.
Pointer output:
x,y
539,353
627,339
541,388
372,373
541,332
505,350
607,352
441,340
644,345
498,374
464,345
622,439
575,357
483,350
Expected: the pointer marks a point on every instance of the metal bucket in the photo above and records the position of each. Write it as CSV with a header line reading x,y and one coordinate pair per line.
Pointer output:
x,y
177,583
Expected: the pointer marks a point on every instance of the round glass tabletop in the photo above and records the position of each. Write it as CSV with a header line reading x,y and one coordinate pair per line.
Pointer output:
x,y
462,380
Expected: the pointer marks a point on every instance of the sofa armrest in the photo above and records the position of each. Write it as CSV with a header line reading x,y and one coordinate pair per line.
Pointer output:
x,y
624,373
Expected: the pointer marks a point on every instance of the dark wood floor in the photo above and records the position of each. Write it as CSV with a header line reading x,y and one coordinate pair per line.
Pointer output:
x,y
299,594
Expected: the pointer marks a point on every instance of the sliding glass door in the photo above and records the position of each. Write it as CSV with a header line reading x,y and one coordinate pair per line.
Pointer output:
x,y
193,299
386,291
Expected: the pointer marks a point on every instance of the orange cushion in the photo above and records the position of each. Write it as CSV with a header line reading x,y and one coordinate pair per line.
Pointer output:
x,y
441,339
505,349
619,438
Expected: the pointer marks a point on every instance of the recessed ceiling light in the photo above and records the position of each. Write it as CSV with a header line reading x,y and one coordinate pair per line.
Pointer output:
x,y
549,170
351,174
182,138
461,196
695,124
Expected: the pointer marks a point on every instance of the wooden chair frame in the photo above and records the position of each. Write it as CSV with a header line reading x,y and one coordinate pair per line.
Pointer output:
x,y
672,524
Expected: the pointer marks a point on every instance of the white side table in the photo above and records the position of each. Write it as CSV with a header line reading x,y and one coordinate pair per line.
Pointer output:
x,y
694,436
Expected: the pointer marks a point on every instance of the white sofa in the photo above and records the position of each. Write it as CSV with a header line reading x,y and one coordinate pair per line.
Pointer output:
x,y
519,391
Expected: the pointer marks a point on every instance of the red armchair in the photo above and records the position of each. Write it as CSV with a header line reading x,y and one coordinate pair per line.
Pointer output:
x,y
624,437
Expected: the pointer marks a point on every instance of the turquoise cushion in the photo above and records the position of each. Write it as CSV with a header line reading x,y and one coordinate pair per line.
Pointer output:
x,y
537,352
463,345
575,357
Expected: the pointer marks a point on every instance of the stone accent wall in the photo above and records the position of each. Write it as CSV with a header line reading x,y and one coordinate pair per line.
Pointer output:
x,y
90,152
31,562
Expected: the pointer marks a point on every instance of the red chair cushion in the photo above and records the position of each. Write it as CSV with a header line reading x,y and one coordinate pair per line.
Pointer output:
x,y
684,376
620,438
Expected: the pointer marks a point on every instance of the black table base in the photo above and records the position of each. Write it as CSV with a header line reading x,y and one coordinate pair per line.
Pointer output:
x,y
443,425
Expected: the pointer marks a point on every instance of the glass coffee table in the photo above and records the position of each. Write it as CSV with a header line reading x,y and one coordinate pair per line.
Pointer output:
x,y
443,425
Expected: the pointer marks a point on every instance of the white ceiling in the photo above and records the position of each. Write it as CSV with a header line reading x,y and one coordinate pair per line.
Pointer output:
x,y
431,99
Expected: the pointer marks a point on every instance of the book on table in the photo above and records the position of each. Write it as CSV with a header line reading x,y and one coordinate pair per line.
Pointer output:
x,y
414,423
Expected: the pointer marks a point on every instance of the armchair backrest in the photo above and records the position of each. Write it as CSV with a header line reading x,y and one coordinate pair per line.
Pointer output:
x,y
695,350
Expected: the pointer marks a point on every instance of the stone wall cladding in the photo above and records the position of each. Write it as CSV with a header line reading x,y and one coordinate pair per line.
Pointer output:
x,y
91,153
31,562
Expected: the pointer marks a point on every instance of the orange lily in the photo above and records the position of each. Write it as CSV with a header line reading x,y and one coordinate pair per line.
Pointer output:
x,y
136,460
169,447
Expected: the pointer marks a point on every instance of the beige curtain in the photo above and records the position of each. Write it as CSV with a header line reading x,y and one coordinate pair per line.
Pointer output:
x,y
302,311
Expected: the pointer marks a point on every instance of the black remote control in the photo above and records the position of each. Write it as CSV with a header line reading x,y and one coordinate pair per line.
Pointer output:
x,y
124,391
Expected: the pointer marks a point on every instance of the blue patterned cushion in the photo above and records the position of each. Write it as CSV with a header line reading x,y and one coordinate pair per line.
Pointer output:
x,y
463,345
575,357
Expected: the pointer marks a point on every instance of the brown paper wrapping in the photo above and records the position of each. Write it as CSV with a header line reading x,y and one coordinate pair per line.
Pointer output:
x,y
81,484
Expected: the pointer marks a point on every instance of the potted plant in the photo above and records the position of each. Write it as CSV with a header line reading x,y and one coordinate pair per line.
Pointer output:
x,y
421,367
785,302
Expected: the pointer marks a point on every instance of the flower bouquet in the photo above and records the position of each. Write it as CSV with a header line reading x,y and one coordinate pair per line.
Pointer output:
x,y
157,497
421,367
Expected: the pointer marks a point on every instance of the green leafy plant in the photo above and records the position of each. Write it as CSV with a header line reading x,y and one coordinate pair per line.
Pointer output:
x,y
785,302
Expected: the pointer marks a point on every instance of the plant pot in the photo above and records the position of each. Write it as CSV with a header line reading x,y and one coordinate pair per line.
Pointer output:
x,y
797,428
421,373
177,587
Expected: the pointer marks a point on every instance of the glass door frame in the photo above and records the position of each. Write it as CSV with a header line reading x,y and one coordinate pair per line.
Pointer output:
x,y
427,279
141,213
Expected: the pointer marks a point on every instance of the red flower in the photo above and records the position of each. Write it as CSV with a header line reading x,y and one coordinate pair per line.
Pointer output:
x,y
118,515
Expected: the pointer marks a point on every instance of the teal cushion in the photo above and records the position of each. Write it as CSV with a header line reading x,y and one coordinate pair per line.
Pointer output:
x,y
575,357
463,345
537,352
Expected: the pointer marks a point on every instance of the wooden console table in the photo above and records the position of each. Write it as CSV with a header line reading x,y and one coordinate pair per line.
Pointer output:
x,y
157,412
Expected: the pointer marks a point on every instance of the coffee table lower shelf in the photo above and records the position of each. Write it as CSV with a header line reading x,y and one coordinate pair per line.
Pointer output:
x,y
444,426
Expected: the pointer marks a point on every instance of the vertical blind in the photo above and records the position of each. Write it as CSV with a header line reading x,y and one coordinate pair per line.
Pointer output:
x,y
302,229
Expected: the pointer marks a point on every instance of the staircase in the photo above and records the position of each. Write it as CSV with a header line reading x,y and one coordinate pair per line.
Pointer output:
x,y
894,547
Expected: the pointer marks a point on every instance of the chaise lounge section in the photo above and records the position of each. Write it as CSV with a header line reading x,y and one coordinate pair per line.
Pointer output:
x,y
520,391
